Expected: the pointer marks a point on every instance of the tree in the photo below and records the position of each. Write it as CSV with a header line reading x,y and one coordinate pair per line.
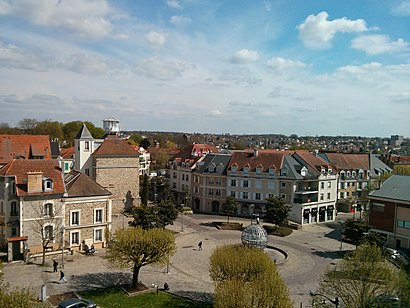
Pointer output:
x,y
354,231
246,276
135,139
136,247
46,225
145,143
71,130
362,276
144,189
27,125
96,132
7,130
230,207
276,210
52,128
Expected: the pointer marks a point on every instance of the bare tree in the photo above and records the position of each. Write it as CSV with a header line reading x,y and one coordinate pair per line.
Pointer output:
x,y
27,125
47,225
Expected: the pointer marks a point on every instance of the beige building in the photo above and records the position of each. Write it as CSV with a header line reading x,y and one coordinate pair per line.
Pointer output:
x,y
116,168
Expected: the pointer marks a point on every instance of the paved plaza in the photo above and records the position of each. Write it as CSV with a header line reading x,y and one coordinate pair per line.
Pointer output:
x,y
309,251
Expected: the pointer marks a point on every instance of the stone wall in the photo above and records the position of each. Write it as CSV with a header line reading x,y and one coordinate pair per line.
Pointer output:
x,y
120,176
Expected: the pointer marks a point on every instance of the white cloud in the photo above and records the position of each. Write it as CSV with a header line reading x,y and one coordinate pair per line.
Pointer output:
x,y
240,76
174,4
162,69
281,64
215,113
317,32
244,56
180,20
401,8
86,19
12,56
402,98
155,39
379,44
85,64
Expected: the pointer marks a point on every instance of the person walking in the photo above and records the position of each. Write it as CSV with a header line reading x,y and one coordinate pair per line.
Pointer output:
x,y
55,265
200,246
62,277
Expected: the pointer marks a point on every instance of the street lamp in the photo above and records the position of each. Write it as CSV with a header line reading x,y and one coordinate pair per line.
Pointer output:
x,y
62,247
333,301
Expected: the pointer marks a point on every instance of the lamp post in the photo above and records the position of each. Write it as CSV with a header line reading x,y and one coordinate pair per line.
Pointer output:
x,y
341,236
334,301
62,247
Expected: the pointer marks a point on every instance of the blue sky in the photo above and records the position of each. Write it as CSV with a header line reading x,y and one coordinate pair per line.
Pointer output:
x,y
212,66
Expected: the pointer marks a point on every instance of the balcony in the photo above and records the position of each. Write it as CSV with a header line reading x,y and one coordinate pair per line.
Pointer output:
x,y
300,189
305,199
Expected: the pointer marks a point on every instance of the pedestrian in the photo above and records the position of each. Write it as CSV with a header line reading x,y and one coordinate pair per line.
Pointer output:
x,y
55,265
200,245
166,287
62,277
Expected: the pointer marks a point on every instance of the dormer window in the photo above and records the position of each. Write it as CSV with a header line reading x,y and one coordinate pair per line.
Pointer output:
x,y
48,185
259,170
234,169
284,172
360,174
354,174
246,170
342,175
272,171
329,171
348,174
303,171
323,171
211,168
219,168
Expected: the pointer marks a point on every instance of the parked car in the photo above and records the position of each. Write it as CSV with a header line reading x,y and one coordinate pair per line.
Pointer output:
x,y
397,257
77,303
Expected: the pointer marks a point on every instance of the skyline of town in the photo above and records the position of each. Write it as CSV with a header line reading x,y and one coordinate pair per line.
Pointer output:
x,y
260,67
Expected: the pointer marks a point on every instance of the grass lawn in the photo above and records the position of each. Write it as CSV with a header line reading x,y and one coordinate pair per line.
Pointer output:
x,y
115,297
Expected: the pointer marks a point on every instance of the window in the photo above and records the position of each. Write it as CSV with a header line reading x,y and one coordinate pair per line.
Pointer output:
x,y
75,218
196,179
245,195
328,196
98,235
347,194
283,196
211,181
218,181
66,166
1,207
271,195
48,185
14,208
322,185
48,209
211,168
258,184
272,171
87,145
234,169
257,196
217,192
99,215
245,183
14,231
353,173
322,197
342,175
271,185
75,238
233,183
233,194
174,175
87,172
196,189
183,177
283,185
245,170
210,192
187,177
329,184
48,232
13,188
342,185
259,171
174,185
342,195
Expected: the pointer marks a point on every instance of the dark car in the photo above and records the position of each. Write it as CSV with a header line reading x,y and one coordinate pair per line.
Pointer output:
x,y
77,303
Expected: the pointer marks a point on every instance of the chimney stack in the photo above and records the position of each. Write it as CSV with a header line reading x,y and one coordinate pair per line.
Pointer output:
x,y
34,181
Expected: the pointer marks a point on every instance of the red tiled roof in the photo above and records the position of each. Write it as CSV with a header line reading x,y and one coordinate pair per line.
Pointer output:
x,y
193,152
135,147
346,161
115,147
263,158
68,153
400,159
19,169
23,147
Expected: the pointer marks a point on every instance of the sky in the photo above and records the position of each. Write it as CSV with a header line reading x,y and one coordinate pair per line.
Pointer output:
x,y
317,67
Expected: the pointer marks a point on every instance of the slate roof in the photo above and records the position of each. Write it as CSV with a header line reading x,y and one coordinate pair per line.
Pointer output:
x,y
264,159
397,187
84,133
215,160
19,169
115,147
80,185
312,162
24,147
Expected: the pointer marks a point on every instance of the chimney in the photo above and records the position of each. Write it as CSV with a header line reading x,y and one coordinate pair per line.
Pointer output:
x,y
34,181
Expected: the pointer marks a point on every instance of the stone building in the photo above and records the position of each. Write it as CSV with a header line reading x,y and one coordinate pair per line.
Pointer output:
x,y
116,168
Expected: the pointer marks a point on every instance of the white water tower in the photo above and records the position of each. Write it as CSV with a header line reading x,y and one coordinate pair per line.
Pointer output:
x,y
111,126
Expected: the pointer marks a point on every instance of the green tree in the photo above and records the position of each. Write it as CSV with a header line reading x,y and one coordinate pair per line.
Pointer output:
x,y
53,129
71,130
96,132
230,207
245,276
276,210
145,143
135,139
7,130
136,247
144,189
354,231
362,276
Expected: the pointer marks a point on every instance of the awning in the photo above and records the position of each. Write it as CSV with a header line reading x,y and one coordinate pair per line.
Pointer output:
x,y
17,238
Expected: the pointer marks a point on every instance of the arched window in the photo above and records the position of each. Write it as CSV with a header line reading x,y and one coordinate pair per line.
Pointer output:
x,y
48,185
